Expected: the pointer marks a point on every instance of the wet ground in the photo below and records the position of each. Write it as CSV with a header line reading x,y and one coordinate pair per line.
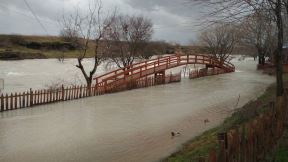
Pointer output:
x,y
128,126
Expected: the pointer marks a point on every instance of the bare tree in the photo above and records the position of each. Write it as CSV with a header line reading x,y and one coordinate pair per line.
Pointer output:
x,y
70,35
260,31
88,29
276,8
128,36
236,10
220,40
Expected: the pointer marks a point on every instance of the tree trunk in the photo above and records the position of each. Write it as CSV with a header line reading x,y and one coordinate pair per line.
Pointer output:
x,y
87,78
261,57
278,53
89,85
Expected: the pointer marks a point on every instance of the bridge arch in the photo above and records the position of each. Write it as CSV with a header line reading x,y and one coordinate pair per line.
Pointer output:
x,y
158,66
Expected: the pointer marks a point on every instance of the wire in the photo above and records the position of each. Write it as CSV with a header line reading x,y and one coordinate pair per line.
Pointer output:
x,y
24,14
35,16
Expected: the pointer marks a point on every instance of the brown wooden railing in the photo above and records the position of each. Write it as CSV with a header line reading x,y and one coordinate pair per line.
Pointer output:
x,y
31,98
149,67
198,73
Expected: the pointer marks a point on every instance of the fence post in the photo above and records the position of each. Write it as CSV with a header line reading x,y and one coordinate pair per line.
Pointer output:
x,y
57,95
62,92
213,156
95,89
242,154
6,101
11,101
77,92
16,101
23,100
50,95
2,103
74,91
80,92
26,98
40,97
222,138
31,97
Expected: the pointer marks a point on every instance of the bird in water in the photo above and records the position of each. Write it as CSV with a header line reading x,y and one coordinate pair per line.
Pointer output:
x,y
174,134
206,121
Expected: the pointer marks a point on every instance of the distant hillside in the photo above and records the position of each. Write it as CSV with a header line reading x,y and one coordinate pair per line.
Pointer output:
x,y
14,47
28,47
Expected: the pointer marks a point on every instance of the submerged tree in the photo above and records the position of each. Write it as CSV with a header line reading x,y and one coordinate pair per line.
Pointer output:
x,y
260,31
88,30
220,39
237,10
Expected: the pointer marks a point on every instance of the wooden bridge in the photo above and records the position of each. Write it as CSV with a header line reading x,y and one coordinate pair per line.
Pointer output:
x,y
157,67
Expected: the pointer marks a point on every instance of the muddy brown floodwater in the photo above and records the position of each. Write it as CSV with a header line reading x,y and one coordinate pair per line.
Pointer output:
x,y
128,126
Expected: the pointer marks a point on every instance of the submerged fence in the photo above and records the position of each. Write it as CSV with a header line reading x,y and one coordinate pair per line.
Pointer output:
x,y
38,97
197,73
252,141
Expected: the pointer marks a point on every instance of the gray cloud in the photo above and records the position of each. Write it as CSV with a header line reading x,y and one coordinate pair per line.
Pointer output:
x,y
173,20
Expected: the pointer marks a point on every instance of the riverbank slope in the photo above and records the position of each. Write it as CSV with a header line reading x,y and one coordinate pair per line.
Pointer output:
x,y
201,145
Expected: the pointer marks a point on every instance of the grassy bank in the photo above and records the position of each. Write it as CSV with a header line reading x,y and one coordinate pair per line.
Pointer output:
x,y
201,145
281,152
17,44
13,47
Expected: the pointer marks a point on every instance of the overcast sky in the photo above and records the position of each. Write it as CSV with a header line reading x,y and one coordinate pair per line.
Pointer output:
x,y
174,20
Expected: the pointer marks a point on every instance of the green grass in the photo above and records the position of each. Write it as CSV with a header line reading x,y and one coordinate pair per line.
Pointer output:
x,y
201,145
281,153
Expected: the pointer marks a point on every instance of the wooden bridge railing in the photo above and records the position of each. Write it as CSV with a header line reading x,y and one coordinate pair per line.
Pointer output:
x,y
145,68
197,73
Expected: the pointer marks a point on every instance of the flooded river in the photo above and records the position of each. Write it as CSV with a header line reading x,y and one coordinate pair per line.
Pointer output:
x,y
22,75
128,126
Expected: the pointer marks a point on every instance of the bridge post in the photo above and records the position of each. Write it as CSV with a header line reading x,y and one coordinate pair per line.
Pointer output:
x,y
160,77
167,63
96,81
105,87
